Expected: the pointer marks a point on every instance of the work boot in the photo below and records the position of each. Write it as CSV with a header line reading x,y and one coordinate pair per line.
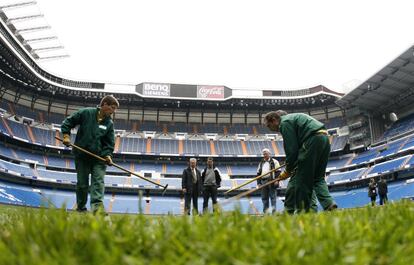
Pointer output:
x,y
332,207
81,210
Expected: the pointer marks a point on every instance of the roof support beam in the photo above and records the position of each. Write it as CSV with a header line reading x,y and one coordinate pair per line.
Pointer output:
x,y
403,71
389,88
400,98
40,39
33,101
2,91
49,105
363,102
54,57
22,4
387,96
405,61
23,18
17,96
47,49
397,80
19,31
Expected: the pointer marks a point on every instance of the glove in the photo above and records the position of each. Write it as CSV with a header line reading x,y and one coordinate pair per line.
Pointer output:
x,y
108,160
66,140
284,175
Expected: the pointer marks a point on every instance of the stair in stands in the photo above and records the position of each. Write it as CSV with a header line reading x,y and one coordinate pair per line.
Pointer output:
x,y
275,149
148,148
244,148
117,143
9,130
30,133
213,148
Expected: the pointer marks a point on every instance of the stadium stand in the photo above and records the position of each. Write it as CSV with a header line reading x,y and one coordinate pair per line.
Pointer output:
x,y
358,197
174,169
409,144
27,91
345,176
337,163
365,156
43,117
388,166
338,143
223,147
197,147
401,126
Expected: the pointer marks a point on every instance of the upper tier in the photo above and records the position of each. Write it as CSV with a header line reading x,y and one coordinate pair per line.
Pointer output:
x,y
165,143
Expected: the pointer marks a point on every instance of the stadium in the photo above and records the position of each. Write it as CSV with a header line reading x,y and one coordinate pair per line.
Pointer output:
x,y
159,127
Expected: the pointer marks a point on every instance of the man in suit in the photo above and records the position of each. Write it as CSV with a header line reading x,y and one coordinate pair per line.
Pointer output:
x,y
191,185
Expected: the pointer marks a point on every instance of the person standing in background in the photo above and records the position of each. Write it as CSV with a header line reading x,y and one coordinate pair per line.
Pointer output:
x,y
372,191
269,192
191,186
211,179
383,191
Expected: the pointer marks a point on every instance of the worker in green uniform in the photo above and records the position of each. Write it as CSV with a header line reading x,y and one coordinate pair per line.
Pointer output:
x,y
95,134
307,148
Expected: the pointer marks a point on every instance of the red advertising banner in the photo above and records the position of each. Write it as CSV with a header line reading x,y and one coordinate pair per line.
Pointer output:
x,y
210,92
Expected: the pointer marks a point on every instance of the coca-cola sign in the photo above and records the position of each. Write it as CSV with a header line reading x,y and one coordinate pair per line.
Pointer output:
x,y
210,92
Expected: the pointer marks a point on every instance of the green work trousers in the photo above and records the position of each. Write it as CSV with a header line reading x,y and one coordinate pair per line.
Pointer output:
x,y
97,169
309,183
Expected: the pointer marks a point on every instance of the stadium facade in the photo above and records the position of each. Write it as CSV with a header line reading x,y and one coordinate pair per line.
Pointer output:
x,y
159,126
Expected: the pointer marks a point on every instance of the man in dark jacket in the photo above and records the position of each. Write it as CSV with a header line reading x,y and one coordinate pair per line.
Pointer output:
x,y
307,149
211,180
95,134
191,185
382,191
372,191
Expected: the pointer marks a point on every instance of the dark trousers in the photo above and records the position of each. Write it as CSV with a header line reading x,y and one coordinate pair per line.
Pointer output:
x,y
373,199
268,192
310,177
383,199
191,194
84,168
209,191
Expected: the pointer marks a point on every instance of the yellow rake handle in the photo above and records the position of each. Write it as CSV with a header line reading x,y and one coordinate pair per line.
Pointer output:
x,y
115,165
254,179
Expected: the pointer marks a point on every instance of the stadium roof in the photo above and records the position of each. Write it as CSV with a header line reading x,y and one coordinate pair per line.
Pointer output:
x,y
17,65
389,90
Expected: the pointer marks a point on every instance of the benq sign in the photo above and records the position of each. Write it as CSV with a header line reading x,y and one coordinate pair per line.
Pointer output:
x,y
156,90
210,92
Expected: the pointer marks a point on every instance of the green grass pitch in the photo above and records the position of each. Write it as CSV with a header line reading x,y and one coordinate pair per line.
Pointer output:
x,y
379,235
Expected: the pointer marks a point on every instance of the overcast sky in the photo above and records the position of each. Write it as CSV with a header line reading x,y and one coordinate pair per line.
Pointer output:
x,y
237,43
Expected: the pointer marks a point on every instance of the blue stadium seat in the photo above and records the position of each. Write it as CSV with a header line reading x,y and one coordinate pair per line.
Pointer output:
x,y
337,177
388,166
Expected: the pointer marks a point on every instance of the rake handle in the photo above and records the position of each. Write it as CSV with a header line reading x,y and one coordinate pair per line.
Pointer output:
x,y
254,179
116,165
243,194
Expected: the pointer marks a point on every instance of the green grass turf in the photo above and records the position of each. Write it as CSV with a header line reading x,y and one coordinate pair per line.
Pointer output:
x,y
380,235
